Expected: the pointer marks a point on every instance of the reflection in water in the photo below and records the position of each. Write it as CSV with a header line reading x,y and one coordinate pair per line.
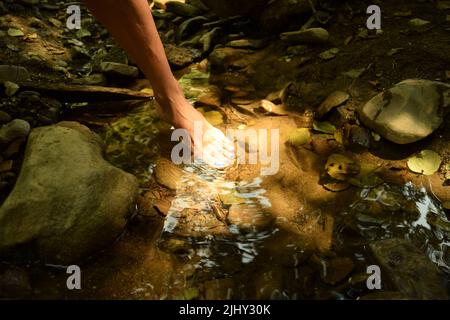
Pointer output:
x,y
200,209
130,141
406,212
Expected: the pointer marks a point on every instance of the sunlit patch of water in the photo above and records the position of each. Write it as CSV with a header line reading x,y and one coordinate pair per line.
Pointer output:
x,y
131,141
201,190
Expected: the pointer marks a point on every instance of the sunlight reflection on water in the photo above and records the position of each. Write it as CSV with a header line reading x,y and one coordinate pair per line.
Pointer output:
x,y
200,189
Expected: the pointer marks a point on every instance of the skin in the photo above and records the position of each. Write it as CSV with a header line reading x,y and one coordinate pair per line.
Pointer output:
x,y
131,23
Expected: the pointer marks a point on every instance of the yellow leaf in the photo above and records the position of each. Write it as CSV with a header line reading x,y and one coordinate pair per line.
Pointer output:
x,y
427,162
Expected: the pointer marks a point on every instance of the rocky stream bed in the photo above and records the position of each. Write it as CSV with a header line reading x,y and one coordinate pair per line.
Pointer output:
x,y
364,174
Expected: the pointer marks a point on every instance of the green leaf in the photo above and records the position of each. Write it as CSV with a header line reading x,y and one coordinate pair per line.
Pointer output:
x,y
215,118
14,32
354,73
83,33
55,22
324,127
329,54
299,137
427,162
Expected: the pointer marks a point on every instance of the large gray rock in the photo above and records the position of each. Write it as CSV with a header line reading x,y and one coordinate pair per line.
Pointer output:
x,y
409,111
68,201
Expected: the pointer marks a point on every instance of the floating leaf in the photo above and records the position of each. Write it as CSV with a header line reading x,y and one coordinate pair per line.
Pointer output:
x,y
215,118
14,32
299,137
334,185
337,186
324,127
427,162
341,168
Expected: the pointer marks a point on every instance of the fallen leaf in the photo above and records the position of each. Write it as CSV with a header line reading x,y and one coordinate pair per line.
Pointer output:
x,y
14,32
324,127
329,54
341,168
299,137
270,107
334,185
427,162
354,73
11,88
215,118
55,22
339,136
81,33
334,100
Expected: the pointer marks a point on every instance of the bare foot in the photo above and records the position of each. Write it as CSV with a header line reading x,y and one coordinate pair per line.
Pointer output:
x,y
210,144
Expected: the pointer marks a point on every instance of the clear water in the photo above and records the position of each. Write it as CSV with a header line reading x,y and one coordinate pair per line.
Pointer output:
x,y
199,235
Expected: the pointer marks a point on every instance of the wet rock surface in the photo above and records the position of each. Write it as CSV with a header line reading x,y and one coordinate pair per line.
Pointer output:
x,y
408,112
65,184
